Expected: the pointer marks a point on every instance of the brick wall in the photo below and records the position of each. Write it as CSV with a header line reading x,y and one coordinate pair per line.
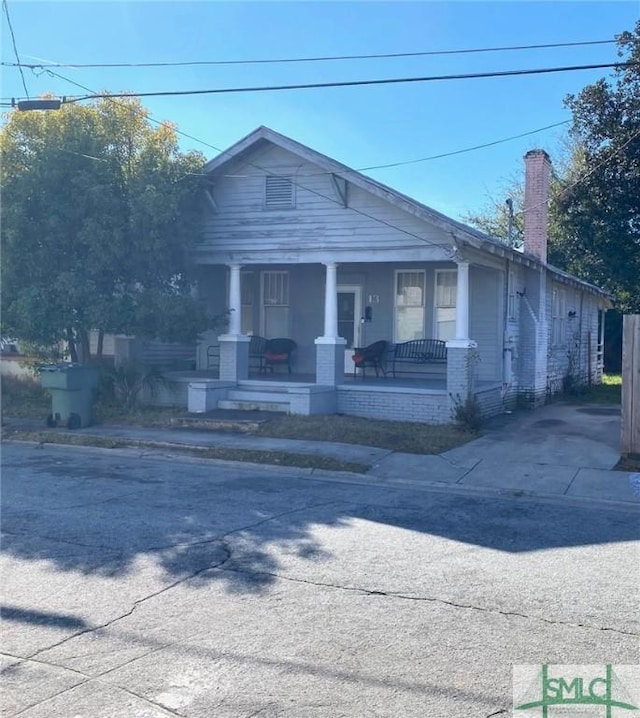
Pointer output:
x,y
395,404
536,195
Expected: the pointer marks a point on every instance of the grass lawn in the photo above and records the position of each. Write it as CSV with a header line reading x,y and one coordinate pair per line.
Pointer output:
x,y
24,398
408,437
609,392
27,399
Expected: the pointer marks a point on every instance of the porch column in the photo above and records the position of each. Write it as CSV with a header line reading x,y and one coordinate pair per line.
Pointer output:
x,y
462,301
235,300
331,301
234,346
330,347
462,352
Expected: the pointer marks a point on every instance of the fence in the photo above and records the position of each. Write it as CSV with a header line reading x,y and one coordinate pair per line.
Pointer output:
x,y
631,385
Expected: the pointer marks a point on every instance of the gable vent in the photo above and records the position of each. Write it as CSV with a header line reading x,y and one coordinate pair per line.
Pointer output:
x,y
278,192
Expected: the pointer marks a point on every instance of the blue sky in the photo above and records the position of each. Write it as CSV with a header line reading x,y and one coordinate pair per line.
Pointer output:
x,y
360,126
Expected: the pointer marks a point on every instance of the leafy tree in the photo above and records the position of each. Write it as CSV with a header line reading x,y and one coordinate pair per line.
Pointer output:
x,y
99,211
594,217
598,210
498,219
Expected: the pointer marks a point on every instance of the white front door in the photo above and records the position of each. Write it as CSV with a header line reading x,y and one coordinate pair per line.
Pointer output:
x,y
349,314
349,320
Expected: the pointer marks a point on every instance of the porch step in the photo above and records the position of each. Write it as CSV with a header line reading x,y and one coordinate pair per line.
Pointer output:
x,y
253,405
268,395
256,399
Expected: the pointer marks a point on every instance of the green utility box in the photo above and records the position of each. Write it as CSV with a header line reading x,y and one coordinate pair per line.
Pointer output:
x,y
71,387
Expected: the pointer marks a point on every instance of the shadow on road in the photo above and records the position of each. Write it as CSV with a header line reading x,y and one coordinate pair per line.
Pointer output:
x,y
93,513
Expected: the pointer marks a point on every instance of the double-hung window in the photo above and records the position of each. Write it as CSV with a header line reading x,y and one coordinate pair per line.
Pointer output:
x,y
445,304
558,313
246,292
275,304
409,305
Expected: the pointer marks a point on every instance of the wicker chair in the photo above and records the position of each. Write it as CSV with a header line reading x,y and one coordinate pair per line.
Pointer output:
x,y
373,355
278,351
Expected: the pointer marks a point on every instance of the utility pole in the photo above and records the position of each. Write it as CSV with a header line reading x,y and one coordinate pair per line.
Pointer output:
x,y
509,203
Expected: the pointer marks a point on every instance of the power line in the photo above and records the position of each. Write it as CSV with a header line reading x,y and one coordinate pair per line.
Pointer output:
x,y
365,214
5,7
322,58
262,169
359,169
150,117
354,83
583,177
467,149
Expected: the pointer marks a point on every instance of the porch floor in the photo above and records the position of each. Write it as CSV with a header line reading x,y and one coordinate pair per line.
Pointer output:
x,y
257,379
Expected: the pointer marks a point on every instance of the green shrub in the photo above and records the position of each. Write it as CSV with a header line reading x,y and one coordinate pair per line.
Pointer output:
x,y
467,414
123,384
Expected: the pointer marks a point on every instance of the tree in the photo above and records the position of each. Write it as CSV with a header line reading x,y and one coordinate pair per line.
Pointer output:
x,y
99,211
503,218
594,217
598,209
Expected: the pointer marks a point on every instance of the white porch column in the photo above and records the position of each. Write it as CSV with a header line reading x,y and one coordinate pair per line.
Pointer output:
x,y
330,347
462,301
234,345
461,350
331,301
235,300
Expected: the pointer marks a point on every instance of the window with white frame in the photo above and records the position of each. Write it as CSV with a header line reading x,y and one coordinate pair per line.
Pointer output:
x,y
246,292
278,192
275,304
409,305
558,314
445,304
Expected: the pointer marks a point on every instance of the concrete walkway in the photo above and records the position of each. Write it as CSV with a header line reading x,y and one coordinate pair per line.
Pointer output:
x,y
557,451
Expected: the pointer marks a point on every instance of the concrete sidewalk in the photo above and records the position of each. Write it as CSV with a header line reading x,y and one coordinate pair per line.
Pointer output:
x,y
557,451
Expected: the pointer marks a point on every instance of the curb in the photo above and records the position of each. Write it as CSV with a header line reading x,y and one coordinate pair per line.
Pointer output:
x,y
150,450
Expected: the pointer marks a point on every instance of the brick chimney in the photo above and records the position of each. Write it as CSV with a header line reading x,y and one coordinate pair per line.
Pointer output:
x,y
536,203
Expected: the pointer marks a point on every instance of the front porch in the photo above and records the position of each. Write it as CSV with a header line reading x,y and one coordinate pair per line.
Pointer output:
x,y
399,399
329,309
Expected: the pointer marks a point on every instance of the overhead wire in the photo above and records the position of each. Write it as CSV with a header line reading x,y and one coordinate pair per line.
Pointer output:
x,y
5,7
322,58
359,83
582,178
296,184
115,98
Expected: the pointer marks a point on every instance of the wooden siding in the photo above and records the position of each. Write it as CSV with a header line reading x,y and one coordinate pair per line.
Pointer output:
x,y
485,316
319,220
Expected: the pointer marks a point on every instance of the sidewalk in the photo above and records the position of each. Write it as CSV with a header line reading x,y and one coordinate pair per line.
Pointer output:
x,y
554,452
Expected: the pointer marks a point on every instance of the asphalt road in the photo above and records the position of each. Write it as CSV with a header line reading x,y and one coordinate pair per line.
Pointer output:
x,y
148,585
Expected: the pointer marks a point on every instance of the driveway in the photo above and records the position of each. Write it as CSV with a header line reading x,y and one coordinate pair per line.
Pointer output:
x,y
138,584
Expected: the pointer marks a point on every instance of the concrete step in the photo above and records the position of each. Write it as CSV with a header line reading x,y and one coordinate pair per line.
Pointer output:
x,y
253,405
269,385
258,395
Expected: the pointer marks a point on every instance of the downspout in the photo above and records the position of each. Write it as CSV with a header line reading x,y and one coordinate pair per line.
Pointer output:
x,y
507,349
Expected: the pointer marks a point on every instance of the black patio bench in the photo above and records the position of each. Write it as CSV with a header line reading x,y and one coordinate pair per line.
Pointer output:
x,y
418,351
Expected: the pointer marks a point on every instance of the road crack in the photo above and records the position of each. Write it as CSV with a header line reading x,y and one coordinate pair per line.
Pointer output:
x,y
219,565
86,679
433,599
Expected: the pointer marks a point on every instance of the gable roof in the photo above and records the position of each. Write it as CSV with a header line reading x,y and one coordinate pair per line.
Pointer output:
x,y
460,233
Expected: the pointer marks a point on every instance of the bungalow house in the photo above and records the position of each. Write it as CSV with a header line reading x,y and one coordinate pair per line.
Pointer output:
x,y
297,245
